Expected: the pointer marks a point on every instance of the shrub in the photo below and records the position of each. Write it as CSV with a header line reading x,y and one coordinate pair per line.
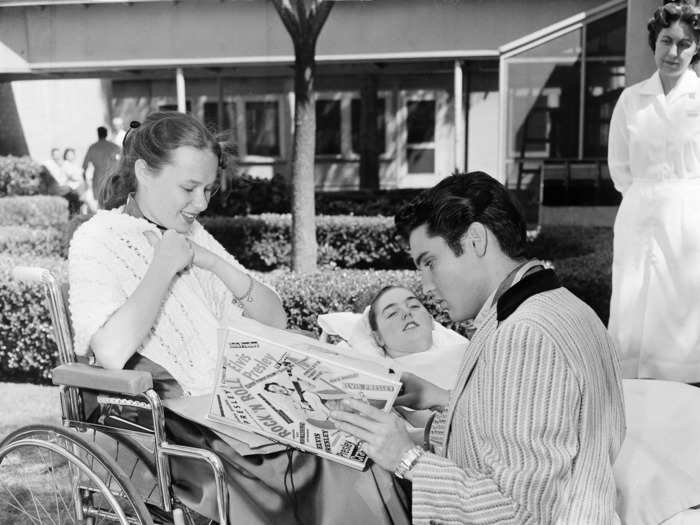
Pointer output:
x,y
23,240
582,257
28,351
364,202
21,176
69,229
263,242
246,195
560,242
307,296
590,278
39,211
27,348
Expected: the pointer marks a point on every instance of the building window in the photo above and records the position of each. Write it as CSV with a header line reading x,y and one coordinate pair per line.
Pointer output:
x,y
211,116
173,107
328,127
355,115
561,87
262,128
605,79
537,131
420,131
561,90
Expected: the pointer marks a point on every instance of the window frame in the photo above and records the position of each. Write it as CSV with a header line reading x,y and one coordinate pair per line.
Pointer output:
x,y
441,98
346,98
242,132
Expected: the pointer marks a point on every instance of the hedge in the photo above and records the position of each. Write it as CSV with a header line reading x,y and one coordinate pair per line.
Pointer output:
x,y
246,195
263,242
27,350
38,211
21,176
24,240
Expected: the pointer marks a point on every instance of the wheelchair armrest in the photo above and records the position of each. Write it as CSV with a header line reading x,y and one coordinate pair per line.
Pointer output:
x,y
80,375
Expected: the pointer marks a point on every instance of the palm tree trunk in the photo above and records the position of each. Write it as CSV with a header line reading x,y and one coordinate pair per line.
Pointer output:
x,y
304,248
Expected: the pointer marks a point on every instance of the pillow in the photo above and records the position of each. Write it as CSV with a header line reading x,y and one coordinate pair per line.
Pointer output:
x,y
354,328
657,472
439,364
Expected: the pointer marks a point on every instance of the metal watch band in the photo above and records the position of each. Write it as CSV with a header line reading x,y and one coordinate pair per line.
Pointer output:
x,y
408,460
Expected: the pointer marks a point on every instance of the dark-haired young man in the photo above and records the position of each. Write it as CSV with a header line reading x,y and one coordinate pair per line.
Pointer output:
x,y
535,422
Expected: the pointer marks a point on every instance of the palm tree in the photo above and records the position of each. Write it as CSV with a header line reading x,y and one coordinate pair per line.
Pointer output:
x,y
304,20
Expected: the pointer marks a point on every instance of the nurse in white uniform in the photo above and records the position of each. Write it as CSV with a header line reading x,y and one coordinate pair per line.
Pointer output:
x,y
654,160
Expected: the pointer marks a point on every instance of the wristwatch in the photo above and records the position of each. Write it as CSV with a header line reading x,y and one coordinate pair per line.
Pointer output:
x,y
408,460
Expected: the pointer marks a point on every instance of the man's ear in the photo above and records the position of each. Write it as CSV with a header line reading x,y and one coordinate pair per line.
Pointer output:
x,y
475,238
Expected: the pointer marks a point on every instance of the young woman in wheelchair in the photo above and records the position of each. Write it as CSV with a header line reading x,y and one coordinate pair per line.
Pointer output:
x,y
148,289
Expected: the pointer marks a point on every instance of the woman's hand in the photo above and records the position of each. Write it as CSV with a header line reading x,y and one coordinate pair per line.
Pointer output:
x,y
177,249
384,434
203,258
173,251
419,394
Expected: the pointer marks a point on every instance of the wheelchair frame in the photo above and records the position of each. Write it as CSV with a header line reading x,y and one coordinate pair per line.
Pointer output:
x,y
113,387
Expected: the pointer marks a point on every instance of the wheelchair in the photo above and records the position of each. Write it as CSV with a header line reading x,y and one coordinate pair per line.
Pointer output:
x,y
87,471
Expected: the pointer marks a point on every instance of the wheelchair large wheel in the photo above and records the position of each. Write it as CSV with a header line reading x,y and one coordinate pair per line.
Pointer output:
x,y
131,453
52,475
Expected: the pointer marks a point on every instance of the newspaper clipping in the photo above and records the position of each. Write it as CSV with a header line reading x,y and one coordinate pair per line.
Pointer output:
x,y
284,388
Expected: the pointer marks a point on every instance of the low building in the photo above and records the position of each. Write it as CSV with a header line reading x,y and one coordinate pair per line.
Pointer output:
x,y
522,90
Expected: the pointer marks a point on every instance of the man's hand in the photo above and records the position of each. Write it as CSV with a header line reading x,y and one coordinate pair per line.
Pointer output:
x,y
419,394
384,434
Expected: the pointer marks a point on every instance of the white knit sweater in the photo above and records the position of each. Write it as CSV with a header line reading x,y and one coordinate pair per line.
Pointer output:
x,y
108,258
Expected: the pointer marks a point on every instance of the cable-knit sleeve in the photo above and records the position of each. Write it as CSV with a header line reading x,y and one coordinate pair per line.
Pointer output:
x,y
437,431
533,404
95,292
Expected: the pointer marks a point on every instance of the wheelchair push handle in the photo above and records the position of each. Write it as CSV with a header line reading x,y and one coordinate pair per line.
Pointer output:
x,y
31,274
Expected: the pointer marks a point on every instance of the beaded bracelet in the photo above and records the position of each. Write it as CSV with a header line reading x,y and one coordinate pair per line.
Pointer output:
x,y
248,295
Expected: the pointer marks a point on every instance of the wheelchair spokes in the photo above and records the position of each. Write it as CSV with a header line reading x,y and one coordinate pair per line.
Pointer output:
x,y
55,477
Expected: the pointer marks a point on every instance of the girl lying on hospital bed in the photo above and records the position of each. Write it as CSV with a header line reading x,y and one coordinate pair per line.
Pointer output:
x,y
396,329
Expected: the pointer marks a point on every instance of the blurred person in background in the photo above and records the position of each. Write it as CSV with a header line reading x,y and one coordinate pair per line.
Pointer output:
x,y
103,157
75,180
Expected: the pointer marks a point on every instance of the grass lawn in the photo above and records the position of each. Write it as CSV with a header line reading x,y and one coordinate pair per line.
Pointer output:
x,y
25,404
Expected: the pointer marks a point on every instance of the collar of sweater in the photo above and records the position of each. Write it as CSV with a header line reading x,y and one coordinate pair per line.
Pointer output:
x,y
117,218
532,284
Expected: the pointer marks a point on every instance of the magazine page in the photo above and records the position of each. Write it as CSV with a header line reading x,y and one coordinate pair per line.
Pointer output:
x,y
347,355
285,387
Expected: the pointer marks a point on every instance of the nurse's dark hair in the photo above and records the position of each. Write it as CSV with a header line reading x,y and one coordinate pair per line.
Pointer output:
x,y
154,140
671,12
453,204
